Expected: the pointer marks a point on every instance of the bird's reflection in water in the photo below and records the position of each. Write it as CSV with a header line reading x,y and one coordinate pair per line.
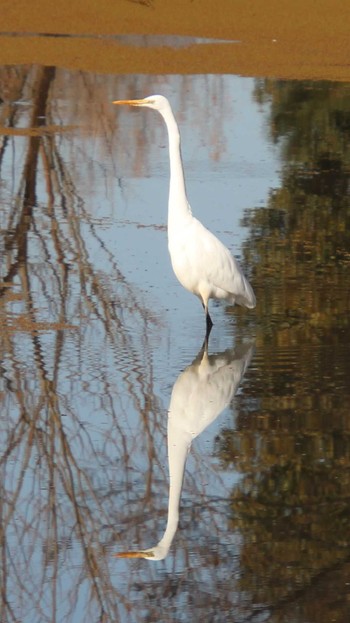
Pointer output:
x,y
199,395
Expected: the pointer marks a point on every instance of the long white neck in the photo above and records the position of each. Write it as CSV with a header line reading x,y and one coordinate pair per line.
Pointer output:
x,y
178,208
179,443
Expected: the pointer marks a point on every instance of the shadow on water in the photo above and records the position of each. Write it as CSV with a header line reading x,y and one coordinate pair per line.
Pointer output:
x,y
88,362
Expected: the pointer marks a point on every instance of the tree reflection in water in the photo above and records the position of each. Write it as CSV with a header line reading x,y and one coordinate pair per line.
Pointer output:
x,y
78,390
292,445
61,323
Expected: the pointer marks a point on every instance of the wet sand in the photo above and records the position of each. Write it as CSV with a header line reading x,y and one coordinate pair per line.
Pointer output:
x,y
275,38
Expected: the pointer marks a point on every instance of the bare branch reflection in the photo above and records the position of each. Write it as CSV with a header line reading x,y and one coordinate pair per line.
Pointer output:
x,y
62,324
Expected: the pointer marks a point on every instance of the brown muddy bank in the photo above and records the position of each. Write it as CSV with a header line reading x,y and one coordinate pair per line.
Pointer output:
x,y
274,38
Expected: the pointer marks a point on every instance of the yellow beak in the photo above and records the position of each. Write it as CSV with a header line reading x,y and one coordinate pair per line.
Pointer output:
x,y
137,554
129,102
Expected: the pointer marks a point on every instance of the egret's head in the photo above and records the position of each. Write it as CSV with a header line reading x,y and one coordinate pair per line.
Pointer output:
x,y
157,102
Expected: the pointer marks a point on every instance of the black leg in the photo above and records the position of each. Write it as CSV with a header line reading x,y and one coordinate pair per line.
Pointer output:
x,y
209,323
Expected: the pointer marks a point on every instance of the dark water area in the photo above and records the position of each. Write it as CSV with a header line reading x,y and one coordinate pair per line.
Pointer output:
x,y
238,503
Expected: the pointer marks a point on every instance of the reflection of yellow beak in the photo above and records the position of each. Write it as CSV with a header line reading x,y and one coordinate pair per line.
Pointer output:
x,y
129,102
139,554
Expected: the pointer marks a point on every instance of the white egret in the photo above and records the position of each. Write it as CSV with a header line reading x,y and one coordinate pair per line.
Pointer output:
x,y
199,395
202,264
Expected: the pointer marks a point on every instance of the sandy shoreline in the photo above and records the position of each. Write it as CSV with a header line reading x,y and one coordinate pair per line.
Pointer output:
x,y
274,38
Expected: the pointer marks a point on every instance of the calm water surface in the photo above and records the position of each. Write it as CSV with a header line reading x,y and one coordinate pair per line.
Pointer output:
x,y
98,339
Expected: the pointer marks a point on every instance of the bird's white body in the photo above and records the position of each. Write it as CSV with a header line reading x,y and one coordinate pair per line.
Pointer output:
x,y
199,395
202,264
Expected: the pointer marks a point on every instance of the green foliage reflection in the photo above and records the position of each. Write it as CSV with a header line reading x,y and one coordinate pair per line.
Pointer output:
x,y
292,446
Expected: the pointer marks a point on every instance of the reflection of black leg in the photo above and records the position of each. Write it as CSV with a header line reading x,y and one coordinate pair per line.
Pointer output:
x,y
209,324
209,320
